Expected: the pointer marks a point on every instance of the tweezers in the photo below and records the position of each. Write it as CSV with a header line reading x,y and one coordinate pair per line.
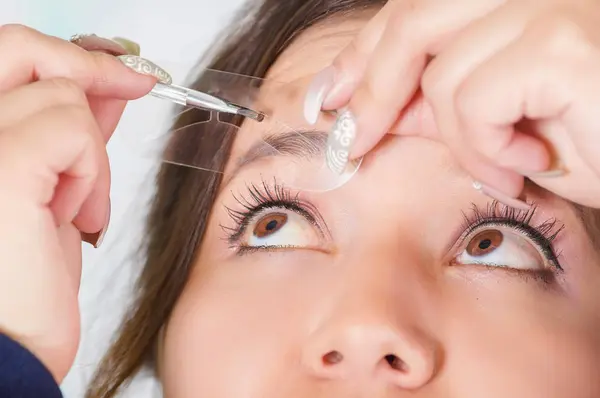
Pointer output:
x,y
197,99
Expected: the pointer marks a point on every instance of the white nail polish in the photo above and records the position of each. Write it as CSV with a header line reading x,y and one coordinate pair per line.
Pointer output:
x,y
317,91
145,67
340,141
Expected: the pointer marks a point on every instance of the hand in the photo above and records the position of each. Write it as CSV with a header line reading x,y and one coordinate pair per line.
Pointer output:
x,y
512,88
59,105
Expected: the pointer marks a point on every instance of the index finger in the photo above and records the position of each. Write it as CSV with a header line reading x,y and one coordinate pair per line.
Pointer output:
x,y
393,75
29,55
350,64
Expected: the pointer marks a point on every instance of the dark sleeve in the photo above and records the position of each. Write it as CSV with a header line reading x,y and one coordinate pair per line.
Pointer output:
x,y
22,375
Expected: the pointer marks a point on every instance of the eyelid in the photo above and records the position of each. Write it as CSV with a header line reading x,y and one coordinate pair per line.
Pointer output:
x,y
324,246
541,235
243,219
325,249
266,197
514,227
546,275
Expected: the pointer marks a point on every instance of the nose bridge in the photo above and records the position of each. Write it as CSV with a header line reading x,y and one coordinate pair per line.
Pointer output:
x,y
373,327
383,280
379,295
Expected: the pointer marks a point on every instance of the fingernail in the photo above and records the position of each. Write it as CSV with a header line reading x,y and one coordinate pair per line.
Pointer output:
x,y
317,90
97,238
115,47
341,90
544,174
501,197
132,47
145,67
557,170
340,141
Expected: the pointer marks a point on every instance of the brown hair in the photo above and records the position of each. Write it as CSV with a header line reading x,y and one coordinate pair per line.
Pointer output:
x,y
184,197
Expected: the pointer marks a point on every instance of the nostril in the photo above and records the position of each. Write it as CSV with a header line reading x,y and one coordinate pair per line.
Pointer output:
x,y
332,358
396,363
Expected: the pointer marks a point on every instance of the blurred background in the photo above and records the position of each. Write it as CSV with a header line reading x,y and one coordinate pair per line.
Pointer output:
x,y
174,34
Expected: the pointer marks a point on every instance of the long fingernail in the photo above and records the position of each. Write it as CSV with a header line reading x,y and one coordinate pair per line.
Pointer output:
x,y
97,238
544,174
501,197
340,141
317,90
557,170
341,90
132,47
145,67
115,47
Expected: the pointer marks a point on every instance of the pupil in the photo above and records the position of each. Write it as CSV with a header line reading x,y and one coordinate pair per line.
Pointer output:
x,y
485,244
271,225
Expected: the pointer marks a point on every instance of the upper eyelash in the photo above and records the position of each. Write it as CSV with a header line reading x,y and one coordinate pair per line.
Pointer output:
x,y
276,195
544,233
264,196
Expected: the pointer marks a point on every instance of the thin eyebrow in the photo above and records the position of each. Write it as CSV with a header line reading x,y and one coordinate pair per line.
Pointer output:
x,y
304,144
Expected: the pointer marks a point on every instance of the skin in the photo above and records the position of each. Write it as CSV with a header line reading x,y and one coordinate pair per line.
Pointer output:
x,y
59,105
387,277
383,279
480,66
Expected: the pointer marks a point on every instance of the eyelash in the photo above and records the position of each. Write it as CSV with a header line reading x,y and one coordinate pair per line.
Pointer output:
x,y
260,198
543,235
274,195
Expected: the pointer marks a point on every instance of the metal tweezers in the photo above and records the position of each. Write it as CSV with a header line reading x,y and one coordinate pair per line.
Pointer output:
x,y
197,99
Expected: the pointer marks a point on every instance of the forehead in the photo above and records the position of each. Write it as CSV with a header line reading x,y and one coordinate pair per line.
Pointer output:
x,y
282,95
315,48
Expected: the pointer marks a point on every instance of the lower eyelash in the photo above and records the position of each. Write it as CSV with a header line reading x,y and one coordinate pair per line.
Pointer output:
x,y
543,235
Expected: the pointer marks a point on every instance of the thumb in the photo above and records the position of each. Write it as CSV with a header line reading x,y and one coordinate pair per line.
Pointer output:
x,y
69,238
417,119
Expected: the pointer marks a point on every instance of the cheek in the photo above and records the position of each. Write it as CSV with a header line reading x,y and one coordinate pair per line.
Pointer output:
x,y
520,344
529,363
229,339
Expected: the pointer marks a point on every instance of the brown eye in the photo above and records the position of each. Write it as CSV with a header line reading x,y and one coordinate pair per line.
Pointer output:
x,y
269,224
485,242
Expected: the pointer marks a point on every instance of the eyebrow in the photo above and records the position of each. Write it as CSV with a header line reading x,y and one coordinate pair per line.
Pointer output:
x,y
303,144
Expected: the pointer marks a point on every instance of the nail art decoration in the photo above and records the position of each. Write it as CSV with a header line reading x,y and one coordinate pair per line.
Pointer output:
x,y
76,39
340,142
145,67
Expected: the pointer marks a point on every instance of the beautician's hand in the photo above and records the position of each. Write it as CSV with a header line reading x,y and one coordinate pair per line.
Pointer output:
x,y
496,63
59,105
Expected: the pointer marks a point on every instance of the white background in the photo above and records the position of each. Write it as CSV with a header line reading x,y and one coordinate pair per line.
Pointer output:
x,y
175,32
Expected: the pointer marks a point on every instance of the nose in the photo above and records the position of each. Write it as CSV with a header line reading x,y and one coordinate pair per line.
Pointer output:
x,y
370,351
376,325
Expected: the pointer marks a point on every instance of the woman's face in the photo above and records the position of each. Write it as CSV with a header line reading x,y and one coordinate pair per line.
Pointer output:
x,y
404,282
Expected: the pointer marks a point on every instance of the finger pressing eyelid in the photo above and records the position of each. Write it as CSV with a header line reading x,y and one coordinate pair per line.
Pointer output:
x,y
417,119
394,71
481,170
